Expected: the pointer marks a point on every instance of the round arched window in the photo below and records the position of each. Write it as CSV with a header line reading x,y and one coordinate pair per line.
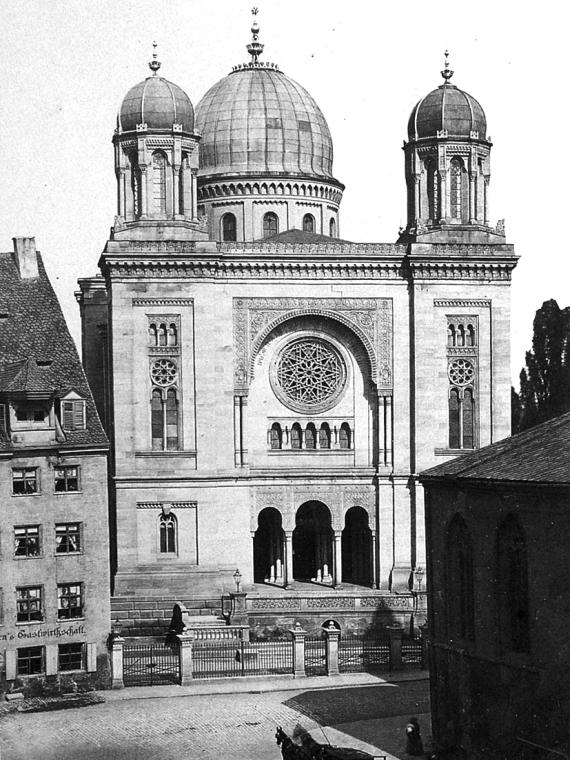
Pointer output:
x,y
308,375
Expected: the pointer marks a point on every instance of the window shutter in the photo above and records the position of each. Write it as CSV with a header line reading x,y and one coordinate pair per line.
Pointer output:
x,y
78,409
67,415
73,415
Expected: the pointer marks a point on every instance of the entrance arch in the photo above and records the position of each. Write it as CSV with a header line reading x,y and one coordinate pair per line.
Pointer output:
x,y
313,543
268,551
357,548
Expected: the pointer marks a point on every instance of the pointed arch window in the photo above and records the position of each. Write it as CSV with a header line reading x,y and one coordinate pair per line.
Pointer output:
x,y
324,436
270,224
229,228
512,586
159,182
456,188
459,588
332,227
168,528
308,223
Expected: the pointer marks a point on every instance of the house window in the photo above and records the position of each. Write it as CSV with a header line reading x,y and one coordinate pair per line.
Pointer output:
x,y
67,538
308,223
159,183
270,224
276,436
324,436
29,604
512,587
168,534
69,601
30,661
459,589
332,227
71,656
24,480
27,541
229,228
73,414
66,479
344,436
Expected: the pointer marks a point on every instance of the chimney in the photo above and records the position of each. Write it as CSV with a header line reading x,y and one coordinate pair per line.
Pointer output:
x,y
25,257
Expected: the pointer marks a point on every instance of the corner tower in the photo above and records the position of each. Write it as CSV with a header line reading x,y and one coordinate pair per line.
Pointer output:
x,y
156,162
447,160
266,156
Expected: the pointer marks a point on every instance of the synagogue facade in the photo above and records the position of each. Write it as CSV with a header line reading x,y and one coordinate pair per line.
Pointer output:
x,y
271,390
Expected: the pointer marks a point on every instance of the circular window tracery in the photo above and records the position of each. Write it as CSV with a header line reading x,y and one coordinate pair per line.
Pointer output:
x,y
309,375
163,372
461,372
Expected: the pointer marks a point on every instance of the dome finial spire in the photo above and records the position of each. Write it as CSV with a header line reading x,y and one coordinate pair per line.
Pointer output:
x,y
154,65
255,48
447,73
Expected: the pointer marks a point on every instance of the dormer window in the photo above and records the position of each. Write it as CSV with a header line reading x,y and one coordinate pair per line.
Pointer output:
x,y
73,414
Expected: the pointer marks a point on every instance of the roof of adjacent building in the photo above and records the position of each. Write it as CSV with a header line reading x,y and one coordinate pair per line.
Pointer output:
x,y
257,120
157,103
37,352
447,108
538,455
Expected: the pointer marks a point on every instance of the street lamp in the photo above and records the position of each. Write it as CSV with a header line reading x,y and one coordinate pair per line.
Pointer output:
x,y
237,579
419,572
116,628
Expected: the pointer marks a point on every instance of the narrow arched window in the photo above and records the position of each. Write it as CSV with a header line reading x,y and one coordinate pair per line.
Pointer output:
x,y
229,228
308,223
456,188
454,441
459,588
468,412
270,224
183,180
157,425
470,336
332,227
159,183
152,335
433,191
324,436
451,335
512,587
460,335
168,534
135,184
162,335
171,419
344,436
296,436
276,436
310,436
172,337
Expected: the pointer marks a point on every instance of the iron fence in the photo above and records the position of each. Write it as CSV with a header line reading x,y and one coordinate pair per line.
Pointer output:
x,y
412,651
363,653
151,664
315,656
224,658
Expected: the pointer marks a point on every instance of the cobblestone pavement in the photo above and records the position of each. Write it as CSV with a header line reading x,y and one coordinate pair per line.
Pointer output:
x,y
233,726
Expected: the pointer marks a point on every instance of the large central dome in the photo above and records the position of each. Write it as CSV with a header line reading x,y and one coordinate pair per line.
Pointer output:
x,y
257,120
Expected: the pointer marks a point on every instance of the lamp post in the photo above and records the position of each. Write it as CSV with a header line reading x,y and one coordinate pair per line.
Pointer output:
x,y
116,628
419,573
237,579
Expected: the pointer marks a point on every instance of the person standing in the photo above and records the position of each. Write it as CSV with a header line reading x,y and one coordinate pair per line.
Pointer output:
x,y
414,744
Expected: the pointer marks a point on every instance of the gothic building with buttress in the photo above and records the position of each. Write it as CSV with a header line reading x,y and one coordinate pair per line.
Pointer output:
x,y
271,390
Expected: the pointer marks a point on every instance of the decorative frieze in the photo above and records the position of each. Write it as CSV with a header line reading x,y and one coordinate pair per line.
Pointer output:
x,y
161,504
387,602
331,603
462,303
162,302
273,604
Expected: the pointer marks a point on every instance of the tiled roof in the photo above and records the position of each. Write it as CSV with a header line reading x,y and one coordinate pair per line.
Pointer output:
x,y
538,455
37,352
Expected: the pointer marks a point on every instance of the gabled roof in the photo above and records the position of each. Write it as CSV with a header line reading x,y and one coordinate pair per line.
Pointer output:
x,y
37,352
538,455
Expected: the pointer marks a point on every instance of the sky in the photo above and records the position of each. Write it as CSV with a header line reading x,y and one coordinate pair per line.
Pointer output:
x,y
67,64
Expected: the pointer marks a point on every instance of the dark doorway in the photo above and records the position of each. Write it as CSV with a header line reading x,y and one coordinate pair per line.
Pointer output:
x,y
312,543
268,548
357,548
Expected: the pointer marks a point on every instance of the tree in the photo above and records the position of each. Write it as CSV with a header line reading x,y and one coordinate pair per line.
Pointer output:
x,y
545,381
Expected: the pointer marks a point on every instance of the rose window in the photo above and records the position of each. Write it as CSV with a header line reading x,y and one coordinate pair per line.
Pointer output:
x,y
163,372
461,372
309,375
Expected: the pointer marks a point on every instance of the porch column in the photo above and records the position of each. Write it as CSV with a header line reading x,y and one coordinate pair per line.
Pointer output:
x,y
288,557
337,557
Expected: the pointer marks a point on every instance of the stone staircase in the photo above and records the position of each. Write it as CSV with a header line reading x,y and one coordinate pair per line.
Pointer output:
x,y
151,615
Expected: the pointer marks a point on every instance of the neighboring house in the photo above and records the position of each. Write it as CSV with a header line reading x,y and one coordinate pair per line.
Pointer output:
x,y
269,389
497,533
54,536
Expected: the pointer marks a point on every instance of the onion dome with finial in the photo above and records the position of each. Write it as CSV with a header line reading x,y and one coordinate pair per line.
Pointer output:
x,y
447,111
157,103
258,121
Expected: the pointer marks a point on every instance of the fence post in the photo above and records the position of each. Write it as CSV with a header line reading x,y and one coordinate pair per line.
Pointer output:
x,y
298,651
424,629
185,654
332,635
117,644
395,646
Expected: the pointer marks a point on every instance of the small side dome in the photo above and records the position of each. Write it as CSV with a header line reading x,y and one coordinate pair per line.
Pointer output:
x,y
447,108
157,103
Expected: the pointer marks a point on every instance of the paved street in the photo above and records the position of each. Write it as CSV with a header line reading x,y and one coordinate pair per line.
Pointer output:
x,y
210,727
